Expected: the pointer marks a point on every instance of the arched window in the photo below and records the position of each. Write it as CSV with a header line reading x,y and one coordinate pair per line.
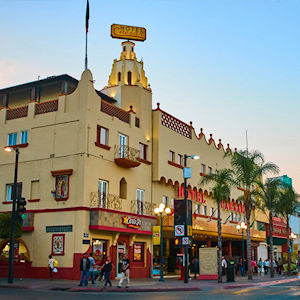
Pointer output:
x,y
129,77
124,48
132,49
119,76
123,188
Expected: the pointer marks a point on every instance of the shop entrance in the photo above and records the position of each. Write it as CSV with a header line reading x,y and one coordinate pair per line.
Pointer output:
x,y
121,250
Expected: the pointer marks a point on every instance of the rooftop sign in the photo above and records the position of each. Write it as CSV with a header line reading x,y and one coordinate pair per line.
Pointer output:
x,y
128,32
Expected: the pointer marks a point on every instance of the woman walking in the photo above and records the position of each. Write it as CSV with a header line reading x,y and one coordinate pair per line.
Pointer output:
x,y
107,270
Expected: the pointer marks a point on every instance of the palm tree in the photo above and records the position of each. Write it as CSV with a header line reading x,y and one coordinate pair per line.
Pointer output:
x,y
221,191
267,195
249,167
286,206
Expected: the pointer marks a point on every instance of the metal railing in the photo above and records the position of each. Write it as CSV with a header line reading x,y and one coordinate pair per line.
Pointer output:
x,y
103,200
125,151
142,208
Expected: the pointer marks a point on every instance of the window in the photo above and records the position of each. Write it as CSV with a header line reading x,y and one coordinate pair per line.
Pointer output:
x,y
23,137
261,226
138,252
35,189
197,209
102,193
102,135
119,76
209,170
9,191
172,156
204,212
203,169
99,249
123,188
12,139
129,77
124,48
165,200
172,203
143,151
179,159
9,188
140,201
123,145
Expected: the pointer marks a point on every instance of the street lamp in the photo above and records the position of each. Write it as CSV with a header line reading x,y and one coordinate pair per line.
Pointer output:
x,y
186,175
13,216
159,211
242,227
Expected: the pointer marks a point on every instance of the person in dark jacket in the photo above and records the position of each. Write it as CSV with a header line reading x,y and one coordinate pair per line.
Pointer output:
x,y
85,264
107,267
230,270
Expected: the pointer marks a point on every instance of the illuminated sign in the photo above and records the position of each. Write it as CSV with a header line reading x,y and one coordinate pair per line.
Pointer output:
x,y
128,32
132,222
192,195
233,205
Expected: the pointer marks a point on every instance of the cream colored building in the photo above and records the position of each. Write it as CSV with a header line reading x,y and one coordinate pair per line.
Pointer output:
x,y
93,165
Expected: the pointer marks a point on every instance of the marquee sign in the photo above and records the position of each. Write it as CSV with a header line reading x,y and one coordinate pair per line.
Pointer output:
x,y
128,32
132,222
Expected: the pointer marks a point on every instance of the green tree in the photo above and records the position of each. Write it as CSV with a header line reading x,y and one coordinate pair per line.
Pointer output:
x,y
249,167
5,225
286,206
221,183
267,198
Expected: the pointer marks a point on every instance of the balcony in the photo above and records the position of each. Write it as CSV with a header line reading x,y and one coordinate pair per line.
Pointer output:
x,y
108,201
142,208
127,157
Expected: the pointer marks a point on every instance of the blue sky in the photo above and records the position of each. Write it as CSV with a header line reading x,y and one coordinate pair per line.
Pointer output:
x,y
226,65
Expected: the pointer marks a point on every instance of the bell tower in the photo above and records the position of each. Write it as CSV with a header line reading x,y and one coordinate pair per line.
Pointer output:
x,y
126,71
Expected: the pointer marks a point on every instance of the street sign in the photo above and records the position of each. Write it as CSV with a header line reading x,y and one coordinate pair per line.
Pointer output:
x,y
189,230
185,241
85,235
179,230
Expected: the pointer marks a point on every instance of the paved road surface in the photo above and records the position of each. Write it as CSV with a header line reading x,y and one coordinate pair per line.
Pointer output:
x,y
282,291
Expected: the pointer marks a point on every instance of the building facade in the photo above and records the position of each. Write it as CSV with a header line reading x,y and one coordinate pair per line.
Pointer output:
x,y
94,164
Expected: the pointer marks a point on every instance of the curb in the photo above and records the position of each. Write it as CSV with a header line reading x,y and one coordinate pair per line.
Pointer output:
x,y
135,290
15,286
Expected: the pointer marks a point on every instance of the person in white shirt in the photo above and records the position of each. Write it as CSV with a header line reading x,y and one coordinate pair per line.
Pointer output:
x,y
224,265
51,266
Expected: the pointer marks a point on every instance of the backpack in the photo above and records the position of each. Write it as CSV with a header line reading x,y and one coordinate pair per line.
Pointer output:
x,y
55,263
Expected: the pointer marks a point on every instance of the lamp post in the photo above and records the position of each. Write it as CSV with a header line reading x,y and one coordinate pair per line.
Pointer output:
x,y
186,175
159,211
13,217
242,227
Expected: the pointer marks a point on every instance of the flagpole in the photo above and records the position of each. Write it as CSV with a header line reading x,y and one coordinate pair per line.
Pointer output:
x,y
86,58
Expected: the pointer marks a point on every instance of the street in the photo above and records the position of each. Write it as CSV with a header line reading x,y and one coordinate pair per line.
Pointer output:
x,y
281,291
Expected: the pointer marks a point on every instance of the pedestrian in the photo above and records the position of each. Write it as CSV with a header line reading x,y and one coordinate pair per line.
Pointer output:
x,y
268,265
107,267
84,268
230,270
280,266
195,262
125,271
253,266
265,266
242,267
260,266
51,266
224,265
91,270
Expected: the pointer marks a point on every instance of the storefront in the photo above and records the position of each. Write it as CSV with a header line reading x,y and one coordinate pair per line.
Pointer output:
x,y
123,233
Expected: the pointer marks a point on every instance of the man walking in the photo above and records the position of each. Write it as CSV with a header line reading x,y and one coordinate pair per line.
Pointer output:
x,y
125,271
84,268
224,265
91,270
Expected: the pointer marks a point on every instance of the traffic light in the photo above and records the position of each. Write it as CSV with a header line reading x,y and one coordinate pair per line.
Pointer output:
x,y
21,203
177,242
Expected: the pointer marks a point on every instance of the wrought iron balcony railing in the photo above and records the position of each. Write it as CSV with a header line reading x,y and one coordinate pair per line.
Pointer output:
x,y
142,208
126,156
103,200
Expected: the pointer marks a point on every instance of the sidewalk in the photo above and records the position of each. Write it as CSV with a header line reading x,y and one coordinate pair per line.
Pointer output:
x,y
145,285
